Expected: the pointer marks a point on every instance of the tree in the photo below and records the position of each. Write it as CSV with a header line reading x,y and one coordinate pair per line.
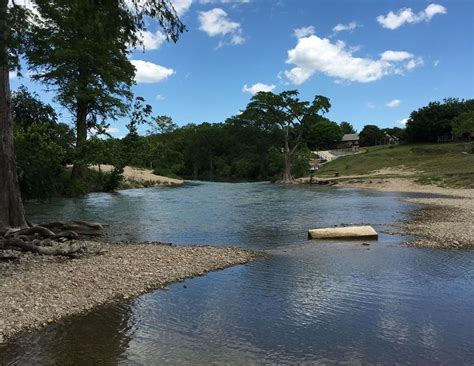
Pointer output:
x,y
42,145
284,111
370,135
139,115
80,48
162,124
464,124
12,213
435,120
323,134
346,128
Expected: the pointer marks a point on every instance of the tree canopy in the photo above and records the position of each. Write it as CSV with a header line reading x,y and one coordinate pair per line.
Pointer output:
x,y
287,112
435,120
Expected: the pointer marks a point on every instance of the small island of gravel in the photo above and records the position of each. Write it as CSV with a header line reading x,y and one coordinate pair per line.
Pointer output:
x,y
103,274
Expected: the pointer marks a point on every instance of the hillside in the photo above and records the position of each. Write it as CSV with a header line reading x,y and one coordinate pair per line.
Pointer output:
x,y
450,165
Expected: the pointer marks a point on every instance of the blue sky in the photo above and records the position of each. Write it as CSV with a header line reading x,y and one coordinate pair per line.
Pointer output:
x,y
377,60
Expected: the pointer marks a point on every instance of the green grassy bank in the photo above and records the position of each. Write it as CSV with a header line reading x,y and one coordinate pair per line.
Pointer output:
x,y
449,164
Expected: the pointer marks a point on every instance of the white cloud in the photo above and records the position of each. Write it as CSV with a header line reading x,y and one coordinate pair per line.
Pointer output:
x,y
304,31
153,41
215,22
435,63
414,62
395,55
12,75
181,6
370,105
406,16
148,72
112,130
345,27
159,97
403,121
313,54
258,87
393,103
237,39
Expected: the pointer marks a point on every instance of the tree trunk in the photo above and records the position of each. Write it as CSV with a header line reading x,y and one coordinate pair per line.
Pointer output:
x,y
12,213
79,170
211,170
287,177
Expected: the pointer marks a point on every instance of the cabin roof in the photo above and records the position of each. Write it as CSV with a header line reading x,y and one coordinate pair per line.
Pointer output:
x,y
350,137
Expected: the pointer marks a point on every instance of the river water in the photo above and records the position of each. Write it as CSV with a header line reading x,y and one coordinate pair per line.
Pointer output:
x,y
309,302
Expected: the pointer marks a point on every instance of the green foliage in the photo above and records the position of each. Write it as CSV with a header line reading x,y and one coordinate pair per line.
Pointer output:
x,y
39,161
323,134
301,162
80,50
286,112
436,119
464,124
371,135
42,145
162,124
346,128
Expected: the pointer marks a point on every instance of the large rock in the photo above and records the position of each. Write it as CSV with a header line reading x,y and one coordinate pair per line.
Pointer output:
x,y
348,232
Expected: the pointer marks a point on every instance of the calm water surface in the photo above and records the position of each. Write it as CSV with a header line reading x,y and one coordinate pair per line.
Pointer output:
x,y
309,302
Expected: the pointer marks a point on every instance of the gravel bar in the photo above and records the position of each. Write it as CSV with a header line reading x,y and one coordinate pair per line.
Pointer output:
x,y
444,221
37,290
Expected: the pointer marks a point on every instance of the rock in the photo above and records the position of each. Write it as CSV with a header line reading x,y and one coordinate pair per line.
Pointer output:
x,y
348,232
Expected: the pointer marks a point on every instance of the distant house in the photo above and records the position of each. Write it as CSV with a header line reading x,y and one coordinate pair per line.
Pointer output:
x,y
349,140
390,139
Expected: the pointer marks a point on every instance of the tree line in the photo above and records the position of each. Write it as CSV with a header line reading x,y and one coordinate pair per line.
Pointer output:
x,y
271,139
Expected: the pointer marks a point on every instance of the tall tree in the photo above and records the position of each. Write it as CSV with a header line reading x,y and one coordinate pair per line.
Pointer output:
x,y
287,112
88,67
346,127
371,135
12,213
80,50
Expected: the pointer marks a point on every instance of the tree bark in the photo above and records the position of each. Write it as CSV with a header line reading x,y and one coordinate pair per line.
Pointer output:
x,y
195,170
287,177
211,169
79,170
12,213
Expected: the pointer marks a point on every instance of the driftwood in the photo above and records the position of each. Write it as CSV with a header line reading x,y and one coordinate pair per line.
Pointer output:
x,y
53,238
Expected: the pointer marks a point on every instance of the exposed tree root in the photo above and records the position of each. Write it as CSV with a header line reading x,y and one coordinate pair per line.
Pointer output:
x,y
49,239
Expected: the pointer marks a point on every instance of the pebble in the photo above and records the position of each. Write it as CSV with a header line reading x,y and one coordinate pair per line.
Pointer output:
x,y
33,294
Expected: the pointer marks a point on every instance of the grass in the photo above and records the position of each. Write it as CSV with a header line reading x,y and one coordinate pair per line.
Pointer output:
x,y
449,164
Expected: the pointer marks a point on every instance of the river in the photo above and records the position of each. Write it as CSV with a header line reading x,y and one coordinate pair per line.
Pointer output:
x,y
309,302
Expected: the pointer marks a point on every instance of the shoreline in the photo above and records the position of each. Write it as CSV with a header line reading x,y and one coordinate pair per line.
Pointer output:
x,y
140,177
444,222
39,290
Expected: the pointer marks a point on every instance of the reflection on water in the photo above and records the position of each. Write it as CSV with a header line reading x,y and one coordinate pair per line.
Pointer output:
x,y
309,302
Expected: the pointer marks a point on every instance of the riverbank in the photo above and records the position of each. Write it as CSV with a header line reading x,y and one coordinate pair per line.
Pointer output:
x,y
140,177
445,220
38,290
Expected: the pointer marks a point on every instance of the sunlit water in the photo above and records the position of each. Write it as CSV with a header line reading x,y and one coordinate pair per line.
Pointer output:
x,y
309,302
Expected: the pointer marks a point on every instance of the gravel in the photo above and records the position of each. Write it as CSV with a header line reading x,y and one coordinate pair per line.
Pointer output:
x,y
37,290
445,221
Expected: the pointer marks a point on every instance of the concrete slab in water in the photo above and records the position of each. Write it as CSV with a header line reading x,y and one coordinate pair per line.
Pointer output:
x,y
348,232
